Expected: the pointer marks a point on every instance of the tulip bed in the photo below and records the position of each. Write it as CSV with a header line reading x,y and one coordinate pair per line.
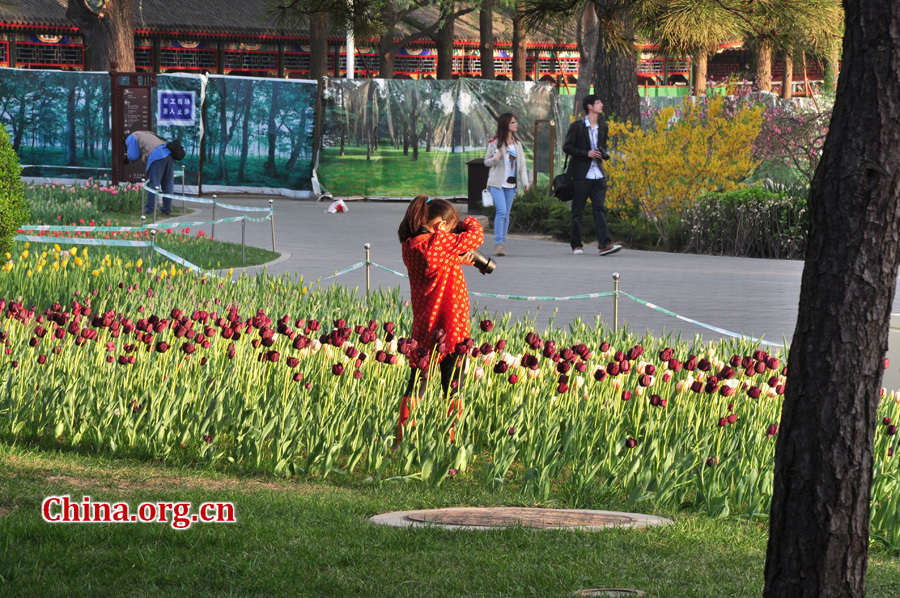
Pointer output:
x,y
267,374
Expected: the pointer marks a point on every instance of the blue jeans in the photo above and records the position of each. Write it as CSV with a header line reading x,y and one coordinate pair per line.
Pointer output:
x,y
503,201
160,173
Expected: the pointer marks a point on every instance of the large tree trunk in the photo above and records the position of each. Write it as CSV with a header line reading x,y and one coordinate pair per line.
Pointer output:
x,y
519,44
588,30
615,69
819,523
443,41
318,46
700,63
764,64
486,39
386,49
108,33
787,75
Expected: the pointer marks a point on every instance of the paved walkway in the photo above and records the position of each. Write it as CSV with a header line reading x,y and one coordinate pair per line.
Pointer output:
x,y
748,296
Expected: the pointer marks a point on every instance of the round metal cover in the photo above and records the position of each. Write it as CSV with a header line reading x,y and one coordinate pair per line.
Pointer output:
x,y
474,518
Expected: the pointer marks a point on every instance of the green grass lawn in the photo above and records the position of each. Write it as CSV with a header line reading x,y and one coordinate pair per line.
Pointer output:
x,y
311,538
391,173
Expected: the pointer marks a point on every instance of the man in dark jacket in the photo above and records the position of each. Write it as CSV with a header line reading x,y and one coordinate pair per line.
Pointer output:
x,y
586,146
151,149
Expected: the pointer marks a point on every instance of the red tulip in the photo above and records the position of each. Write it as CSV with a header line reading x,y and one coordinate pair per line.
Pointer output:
x,y
630,443
772,430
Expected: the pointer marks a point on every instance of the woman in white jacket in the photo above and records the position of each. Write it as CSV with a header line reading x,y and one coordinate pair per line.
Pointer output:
x,y
506,160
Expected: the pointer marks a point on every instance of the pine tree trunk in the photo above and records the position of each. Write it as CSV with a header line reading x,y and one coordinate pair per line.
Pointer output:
x,y
443,41
519,44
700,63
615,72
764,64
318,46
486,39
787,76
71,150
386,56
819,520
270,167
588,30
108,33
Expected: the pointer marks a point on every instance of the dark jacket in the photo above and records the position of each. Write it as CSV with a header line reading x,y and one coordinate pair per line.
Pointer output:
x,y
578,144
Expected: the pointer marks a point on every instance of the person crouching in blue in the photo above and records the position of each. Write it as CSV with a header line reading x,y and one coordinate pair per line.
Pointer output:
x,y
151,149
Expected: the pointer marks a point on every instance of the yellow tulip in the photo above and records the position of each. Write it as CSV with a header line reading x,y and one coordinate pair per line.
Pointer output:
x,y
65,263
25,255
139,263
95,272
79,261
56,248
27,244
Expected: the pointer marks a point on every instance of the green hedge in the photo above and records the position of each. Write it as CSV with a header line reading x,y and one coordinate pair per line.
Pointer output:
x,y
751,222
13,211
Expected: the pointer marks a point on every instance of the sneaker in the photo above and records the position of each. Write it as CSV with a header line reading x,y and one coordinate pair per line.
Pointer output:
x,y
577,251
610,249
166,212
499,249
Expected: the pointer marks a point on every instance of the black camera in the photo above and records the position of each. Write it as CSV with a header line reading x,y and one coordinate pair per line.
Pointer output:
x,y
604,152
484,264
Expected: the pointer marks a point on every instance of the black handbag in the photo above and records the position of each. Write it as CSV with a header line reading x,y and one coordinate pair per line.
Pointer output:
x,y
563,186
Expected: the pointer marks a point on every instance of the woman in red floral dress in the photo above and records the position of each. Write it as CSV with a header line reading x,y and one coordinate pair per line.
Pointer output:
x,y
433,253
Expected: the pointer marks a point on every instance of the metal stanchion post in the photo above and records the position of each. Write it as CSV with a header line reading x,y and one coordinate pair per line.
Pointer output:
x,y
182,188
143,247
243,237
156,203
152,245
615,278
272,218
368,246
214,217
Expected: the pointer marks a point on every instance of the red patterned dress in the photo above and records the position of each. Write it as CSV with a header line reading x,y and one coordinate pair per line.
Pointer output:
x,y
440,298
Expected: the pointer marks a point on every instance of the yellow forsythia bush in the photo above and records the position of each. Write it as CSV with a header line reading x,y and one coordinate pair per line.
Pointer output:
x,y
683,153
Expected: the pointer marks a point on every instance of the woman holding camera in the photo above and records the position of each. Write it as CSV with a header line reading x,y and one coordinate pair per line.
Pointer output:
x,y
506,160
434,249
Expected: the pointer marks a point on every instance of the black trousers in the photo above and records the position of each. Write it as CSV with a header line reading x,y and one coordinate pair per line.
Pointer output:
x,y
451,371
595,189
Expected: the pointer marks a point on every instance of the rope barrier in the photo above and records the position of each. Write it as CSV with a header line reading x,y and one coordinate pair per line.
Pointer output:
x,y
575,298
203,200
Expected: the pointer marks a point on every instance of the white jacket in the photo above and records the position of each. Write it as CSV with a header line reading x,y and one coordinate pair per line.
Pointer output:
x,y
497,174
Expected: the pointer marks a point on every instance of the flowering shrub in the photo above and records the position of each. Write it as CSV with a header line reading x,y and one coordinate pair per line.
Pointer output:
x,y
750,222
790,143
263,374
658,171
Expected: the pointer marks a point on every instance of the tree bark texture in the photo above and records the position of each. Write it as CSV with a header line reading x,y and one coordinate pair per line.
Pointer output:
x,y
819,524
486,39
519,44
700,62
443,41
318,46
588,30
787,76
764,64
108,34
615,70
832,64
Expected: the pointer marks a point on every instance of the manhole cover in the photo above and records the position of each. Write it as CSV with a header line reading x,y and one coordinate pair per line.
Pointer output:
x,y
498,517
609,592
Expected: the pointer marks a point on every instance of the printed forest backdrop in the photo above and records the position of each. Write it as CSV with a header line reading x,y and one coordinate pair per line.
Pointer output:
x,y
394,137
380,137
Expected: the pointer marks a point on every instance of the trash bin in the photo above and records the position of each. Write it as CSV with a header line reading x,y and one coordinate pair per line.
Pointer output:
x,y
478,176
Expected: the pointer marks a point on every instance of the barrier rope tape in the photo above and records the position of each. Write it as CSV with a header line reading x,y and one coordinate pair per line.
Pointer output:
x,y
81,241
584,296
130,229
183,262
202,200
345,270
695,322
